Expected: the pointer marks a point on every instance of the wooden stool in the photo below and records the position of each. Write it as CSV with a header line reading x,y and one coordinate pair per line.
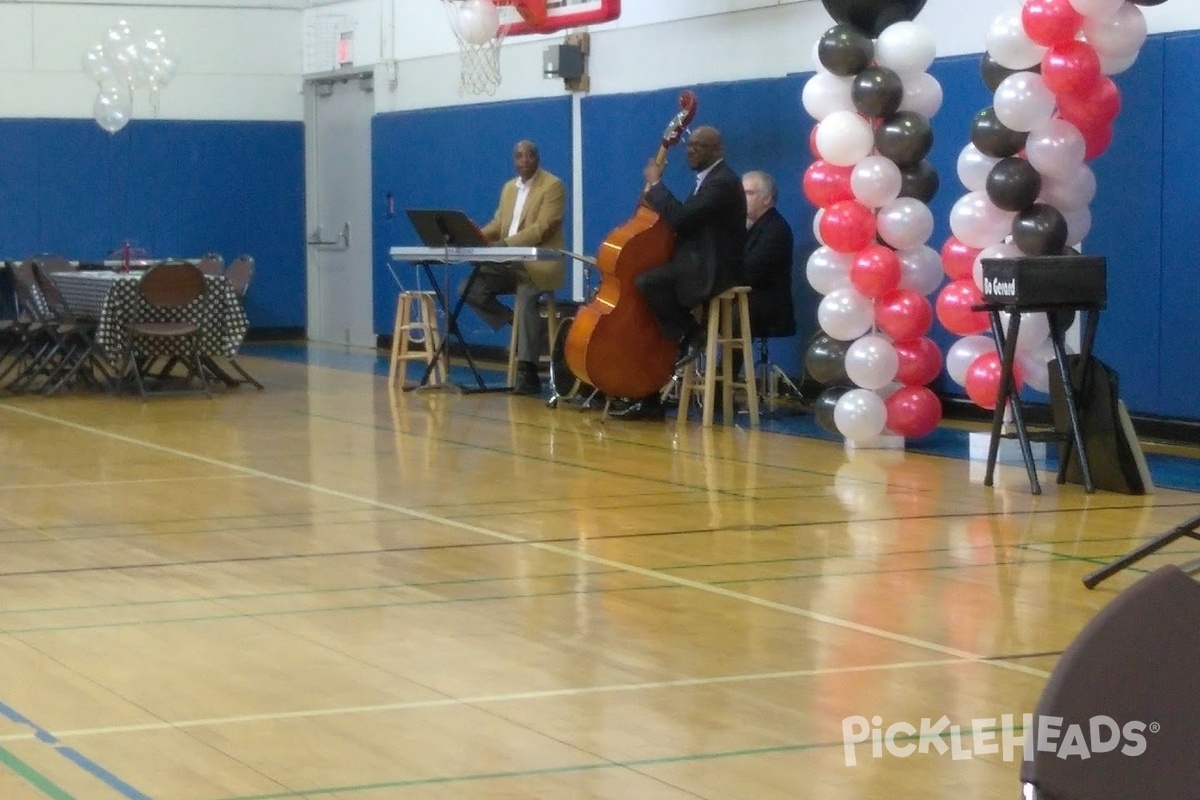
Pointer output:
x,y
423,323
722,344
551,314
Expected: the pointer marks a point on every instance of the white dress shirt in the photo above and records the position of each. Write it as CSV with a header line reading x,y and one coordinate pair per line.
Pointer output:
x,y
519,206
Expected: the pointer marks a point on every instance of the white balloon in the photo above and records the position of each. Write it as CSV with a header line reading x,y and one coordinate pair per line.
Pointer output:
x,y
1119,35
1035,365
1009,45
860,415
1115,66
974,168
871,361
922,94
921,269
963,353
96,65
478,21
825,93
1022,101
1079,224
905,223
1097,9
1035,329
1055,148
828,270
977,222
116,38
905,47
113,107
844,138
876,181
998,250
1075,192
845,314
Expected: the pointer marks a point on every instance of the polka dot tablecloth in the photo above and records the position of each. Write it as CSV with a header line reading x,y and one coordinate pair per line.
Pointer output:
x,y
113,299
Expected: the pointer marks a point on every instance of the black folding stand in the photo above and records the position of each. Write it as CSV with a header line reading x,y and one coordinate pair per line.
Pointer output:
x,y
1060,317
1187,529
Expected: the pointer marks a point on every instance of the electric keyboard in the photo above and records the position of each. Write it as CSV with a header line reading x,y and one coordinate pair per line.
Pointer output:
x,y
458,255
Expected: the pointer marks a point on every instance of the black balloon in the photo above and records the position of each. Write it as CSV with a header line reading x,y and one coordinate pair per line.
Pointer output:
x,y
824,407
1013,184
993,73
993,138
905,137
871,17
919,181
1040,230
1147,2
877,92
844,51
825,359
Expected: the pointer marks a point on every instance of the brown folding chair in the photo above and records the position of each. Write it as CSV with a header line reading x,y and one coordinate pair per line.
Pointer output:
x,y
167,290
239,273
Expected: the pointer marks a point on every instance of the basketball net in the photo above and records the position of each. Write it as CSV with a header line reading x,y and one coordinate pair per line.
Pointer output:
x,y
480,73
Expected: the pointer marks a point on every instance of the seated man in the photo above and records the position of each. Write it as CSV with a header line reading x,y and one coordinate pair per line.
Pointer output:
x,y
530,214
710,237
768,260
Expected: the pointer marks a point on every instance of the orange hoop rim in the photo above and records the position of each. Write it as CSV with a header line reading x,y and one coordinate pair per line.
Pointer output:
x,y
532,11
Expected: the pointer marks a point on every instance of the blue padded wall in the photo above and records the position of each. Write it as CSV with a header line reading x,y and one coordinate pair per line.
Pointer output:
x,y
456,157
173,188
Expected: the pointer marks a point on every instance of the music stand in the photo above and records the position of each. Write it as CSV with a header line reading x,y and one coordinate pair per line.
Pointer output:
x,y
449,228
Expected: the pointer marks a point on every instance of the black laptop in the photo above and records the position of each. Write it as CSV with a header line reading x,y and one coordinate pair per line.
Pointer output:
x,y
445,227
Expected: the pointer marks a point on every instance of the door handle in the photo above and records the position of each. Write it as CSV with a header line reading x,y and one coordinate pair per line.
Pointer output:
x,y
342,240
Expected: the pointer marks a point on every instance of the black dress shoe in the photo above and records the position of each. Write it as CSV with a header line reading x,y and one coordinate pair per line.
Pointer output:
x,y
691,347
528,384
646,408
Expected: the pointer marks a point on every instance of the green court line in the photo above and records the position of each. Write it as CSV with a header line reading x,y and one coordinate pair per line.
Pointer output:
x,y
31,776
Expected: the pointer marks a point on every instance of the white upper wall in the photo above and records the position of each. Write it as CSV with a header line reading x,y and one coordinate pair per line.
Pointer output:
x,y
245,60
238,60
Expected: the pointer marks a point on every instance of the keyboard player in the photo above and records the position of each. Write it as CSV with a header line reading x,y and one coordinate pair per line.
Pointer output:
x,y
529,214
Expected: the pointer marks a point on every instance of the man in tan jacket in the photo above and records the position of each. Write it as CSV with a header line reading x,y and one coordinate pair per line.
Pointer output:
x,y
530,214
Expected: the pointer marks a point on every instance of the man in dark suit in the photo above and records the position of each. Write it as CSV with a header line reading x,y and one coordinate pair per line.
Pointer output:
x,y
768,259
710,240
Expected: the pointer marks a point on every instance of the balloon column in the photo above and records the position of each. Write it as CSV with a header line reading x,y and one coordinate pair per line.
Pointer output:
x,y
1028,182
872,99
119,65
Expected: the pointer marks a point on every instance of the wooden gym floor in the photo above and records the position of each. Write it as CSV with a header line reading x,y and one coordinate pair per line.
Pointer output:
x,y
325,590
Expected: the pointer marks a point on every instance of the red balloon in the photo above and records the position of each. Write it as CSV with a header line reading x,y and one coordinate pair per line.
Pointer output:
x,y
1071,68
958,260
875,270
983,380
954,308
1096,140
1099,105
920,361
903,314
825,184
913,411
847,226
1049,22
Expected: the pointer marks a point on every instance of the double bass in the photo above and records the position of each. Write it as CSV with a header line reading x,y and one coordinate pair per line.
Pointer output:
x,y
615,343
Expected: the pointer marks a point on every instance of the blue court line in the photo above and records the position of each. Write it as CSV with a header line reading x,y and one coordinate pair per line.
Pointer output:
x,y
70,753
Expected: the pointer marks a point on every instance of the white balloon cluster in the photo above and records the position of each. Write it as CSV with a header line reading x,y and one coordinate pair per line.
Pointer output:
x,y
871,184
119,65
1029,187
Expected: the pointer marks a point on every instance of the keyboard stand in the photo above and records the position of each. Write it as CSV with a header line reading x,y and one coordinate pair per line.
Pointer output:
x,y
1059,317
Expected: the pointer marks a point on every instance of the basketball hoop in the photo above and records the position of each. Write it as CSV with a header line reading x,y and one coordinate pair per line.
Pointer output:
x,y
480,27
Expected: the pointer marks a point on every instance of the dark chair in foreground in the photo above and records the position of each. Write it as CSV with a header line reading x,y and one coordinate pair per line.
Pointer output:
x,y
1127,689
166,291
212,264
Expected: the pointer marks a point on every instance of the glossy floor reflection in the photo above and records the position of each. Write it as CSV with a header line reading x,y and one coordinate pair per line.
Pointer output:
x,y
327,589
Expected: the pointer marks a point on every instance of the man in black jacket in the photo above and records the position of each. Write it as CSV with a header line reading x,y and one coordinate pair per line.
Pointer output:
x,y
768,260
710,240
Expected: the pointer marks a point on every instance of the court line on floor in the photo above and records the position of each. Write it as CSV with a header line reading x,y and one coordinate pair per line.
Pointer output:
x,y
565,552
441,702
